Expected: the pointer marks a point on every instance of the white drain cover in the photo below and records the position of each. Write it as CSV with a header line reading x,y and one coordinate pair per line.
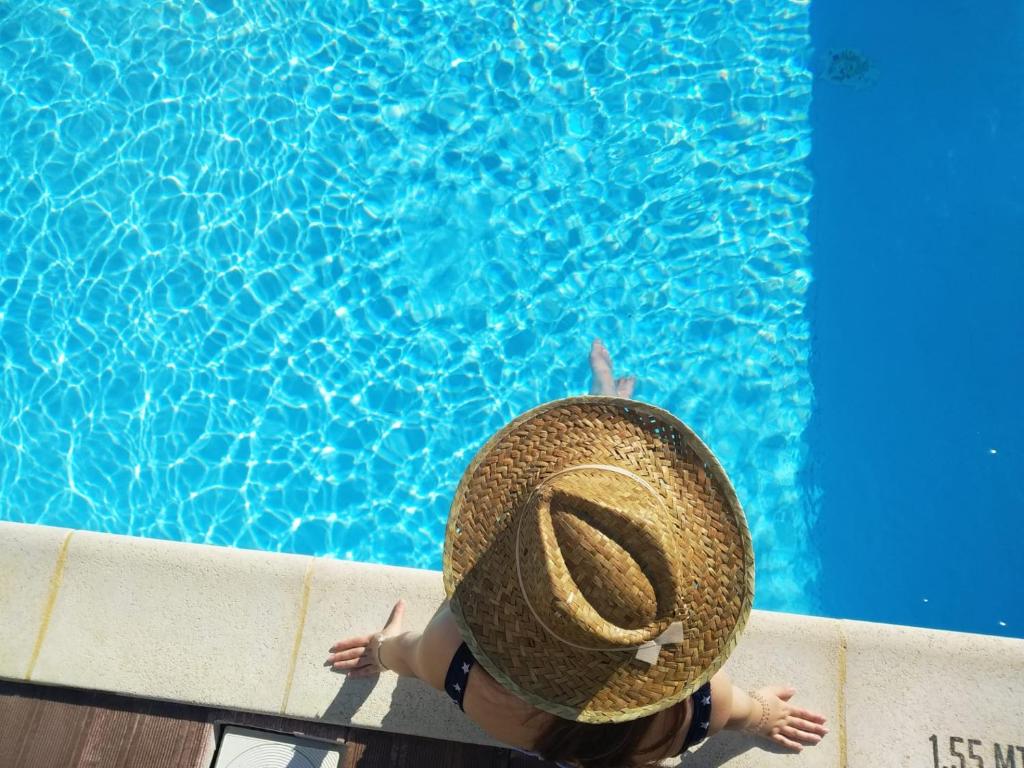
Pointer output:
x,y
245,748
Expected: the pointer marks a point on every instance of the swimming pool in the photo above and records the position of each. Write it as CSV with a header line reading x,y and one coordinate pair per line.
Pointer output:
x,y
275,271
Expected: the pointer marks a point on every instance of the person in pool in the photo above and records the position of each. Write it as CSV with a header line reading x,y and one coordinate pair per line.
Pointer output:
x,y
561,728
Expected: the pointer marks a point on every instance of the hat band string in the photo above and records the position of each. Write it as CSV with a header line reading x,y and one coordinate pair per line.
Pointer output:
x,y
671,635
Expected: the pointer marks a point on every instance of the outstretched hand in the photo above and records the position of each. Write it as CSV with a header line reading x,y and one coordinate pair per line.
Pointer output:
x,y
781,722
357,656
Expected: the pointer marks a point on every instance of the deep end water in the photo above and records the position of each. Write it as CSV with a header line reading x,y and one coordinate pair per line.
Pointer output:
x,y
917,231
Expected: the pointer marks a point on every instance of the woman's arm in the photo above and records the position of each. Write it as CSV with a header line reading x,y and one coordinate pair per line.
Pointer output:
x,y
413,654
766,713
426,655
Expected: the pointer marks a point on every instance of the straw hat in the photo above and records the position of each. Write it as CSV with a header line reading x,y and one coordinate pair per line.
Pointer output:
x,y
597,559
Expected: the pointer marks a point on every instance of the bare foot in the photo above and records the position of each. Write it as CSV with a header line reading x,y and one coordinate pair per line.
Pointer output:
x,y
603,382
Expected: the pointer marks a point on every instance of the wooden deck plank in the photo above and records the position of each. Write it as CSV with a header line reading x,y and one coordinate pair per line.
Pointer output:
x,y
29,736
46,727
158,740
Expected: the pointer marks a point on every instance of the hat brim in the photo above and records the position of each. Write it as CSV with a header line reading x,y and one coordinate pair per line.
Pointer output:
x,y
497,623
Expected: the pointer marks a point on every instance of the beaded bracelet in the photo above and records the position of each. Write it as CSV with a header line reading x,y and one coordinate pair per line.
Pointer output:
x,y
764,712
379,638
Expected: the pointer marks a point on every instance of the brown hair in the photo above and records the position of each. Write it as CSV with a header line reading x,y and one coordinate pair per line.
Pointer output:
x,y
603,745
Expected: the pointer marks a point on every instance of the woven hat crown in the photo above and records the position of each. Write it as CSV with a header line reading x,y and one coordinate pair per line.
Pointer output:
x,y
596,560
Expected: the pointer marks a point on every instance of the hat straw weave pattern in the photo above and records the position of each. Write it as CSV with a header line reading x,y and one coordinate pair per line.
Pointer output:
x,y
581,532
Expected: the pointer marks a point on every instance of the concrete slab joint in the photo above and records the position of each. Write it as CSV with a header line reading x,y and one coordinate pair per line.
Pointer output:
x,y
247,630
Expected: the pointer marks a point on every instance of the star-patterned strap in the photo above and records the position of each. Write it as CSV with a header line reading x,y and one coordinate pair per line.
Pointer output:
x,y
458,674
700,719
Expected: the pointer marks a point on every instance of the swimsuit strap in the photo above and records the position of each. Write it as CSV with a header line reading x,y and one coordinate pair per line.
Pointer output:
x,y
458,674
700,720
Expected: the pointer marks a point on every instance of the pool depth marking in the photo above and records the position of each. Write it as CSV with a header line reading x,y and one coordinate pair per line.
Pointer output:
x,y
1003,759
307,580
55,581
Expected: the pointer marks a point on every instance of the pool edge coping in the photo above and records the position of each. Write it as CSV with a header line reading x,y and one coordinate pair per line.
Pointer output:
x,y
76,622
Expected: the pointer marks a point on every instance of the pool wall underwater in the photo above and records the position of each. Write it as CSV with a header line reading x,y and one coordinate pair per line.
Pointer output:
x,y
917,236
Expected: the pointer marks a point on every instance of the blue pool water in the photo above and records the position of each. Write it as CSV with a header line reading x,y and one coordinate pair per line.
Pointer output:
x,y
272,272
917,236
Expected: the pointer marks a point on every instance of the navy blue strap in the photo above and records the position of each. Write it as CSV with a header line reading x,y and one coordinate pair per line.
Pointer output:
x,y
700,721
458,674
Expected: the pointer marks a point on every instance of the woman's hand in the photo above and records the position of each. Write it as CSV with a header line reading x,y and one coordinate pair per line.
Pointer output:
x,y
774,718
358,656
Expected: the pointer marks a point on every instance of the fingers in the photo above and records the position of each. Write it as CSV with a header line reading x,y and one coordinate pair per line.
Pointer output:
x,y
354,653
353,664
357,657
351,642
807,726
806,714
797,735
780,739
395,618
355,660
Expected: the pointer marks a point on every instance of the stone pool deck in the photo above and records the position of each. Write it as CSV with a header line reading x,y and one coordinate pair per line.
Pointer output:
x,y
238,631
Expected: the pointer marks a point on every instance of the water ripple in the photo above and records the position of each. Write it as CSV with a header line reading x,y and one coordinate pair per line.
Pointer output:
x,y
273,272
